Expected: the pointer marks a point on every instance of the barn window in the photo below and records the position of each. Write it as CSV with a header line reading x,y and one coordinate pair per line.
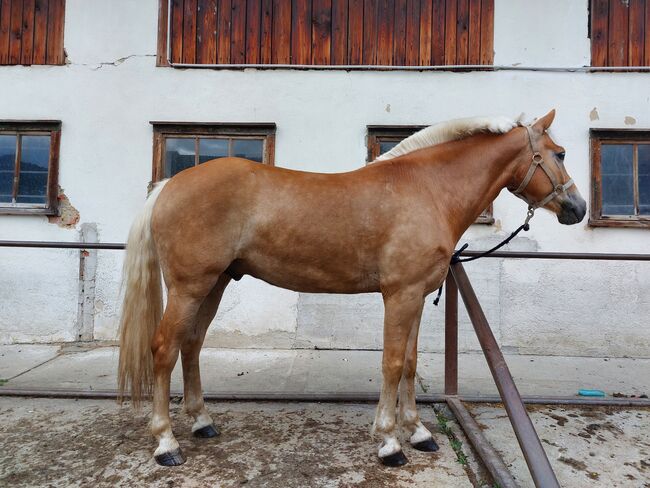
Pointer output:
x,y
382,139
178,146
620,33
326,32
29,160
620,169
31,32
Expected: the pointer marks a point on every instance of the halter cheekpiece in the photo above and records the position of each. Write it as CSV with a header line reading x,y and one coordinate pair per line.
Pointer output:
x,y
538,161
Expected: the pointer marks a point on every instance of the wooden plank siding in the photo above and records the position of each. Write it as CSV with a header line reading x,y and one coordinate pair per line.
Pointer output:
x,y
620,33
324,32
31,32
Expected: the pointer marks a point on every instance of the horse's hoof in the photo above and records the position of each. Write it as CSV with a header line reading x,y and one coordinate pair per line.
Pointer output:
x,y
394,460
206,432
428,445
173,458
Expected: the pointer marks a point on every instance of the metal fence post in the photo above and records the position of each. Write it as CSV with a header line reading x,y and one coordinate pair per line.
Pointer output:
x,y
451,336
538,464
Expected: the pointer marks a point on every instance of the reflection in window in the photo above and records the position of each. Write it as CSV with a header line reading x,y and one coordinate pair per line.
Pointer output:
x,y
24,169
7,166
183,153
180,154
625,179
618,179
34,165
644,178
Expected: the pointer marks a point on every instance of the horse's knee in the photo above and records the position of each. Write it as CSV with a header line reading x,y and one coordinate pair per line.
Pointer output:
x,y
392,368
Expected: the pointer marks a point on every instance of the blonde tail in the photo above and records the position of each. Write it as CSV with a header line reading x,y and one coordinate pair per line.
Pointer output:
x,y
142,305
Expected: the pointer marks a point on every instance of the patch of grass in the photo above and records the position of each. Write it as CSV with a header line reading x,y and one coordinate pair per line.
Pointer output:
x,y
3,381
456,445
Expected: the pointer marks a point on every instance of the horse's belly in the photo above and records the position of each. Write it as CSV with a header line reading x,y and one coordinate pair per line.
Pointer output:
x,y
308,278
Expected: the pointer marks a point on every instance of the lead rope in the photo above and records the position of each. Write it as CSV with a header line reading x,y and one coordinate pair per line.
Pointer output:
x,y
457,259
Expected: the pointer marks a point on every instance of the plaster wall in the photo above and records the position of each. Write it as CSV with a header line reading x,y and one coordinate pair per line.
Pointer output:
x,y
110,90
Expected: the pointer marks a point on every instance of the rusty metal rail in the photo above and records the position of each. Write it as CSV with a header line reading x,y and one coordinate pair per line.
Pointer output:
x,y
468,253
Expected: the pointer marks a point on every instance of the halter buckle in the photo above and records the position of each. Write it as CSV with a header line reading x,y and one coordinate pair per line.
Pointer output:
x,y
537,158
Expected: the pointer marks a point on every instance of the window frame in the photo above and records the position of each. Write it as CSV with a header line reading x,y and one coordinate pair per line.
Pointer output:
x,y
616,136
163,130
36,127
376,134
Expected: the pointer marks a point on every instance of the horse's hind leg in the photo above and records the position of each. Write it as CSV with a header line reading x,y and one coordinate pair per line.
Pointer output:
x,y
402,308
190,350
178,320
420,437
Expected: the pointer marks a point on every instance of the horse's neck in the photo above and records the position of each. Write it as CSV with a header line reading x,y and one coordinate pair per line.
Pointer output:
x,y
468,176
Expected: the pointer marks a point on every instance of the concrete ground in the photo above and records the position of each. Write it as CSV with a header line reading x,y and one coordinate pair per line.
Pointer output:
x,y
60,442
317,371
587,446
63,443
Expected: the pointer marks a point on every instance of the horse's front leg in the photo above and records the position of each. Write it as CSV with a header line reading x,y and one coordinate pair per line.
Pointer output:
x,y
203,426
402,308
420,437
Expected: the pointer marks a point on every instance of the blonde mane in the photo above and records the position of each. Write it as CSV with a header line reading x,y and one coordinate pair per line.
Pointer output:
x,y
451,130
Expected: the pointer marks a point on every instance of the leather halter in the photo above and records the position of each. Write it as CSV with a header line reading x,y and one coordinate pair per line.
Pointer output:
x,y
538,161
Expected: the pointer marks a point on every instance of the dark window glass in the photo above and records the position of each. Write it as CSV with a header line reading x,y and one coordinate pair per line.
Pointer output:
x,y
212,149
386,146
7,166
617,173
644,178
34,163
252,149
179,155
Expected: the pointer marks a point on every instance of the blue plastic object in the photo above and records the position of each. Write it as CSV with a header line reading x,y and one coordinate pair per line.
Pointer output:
x,y
591,393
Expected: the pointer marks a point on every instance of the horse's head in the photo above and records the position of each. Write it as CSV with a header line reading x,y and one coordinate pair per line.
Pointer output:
x,y
541,178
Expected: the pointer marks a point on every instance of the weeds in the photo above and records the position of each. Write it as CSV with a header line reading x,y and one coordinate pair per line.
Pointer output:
x,y
456,445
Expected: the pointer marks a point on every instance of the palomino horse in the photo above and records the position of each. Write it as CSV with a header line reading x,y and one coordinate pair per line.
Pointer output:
x,y
389,227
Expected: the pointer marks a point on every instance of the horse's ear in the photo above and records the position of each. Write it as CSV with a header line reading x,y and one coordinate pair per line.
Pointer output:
x,y
545,122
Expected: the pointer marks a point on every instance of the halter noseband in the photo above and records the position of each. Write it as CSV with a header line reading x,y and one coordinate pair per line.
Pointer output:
x,y
538,160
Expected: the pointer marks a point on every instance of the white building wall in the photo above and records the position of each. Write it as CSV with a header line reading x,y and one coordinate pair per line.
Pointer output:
x,y
110,90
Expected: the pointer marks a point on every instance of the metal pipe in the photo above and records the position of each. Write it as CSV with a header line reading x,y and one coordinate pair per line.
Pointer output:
x,y
484,449
594,256
536,458
454,67
64,245
451,336
423,398
497,254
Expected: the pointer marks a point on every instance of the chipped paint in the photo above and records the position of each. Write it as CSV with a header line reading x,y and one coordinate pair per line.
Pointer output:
x,y
68,216
593,115
630,120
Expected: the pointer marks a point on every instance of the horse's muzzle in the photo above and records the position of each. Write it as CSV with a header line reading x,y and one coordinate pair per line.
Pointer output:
x,y
573,209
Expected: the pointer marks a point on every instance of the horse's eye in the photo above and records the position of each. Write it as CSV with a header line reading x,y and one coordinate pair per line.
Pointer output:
x,y
560,155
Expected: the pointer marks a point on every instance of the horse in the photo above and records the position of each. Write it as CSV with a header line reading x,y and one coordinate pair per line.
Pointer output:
x,y
389,227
